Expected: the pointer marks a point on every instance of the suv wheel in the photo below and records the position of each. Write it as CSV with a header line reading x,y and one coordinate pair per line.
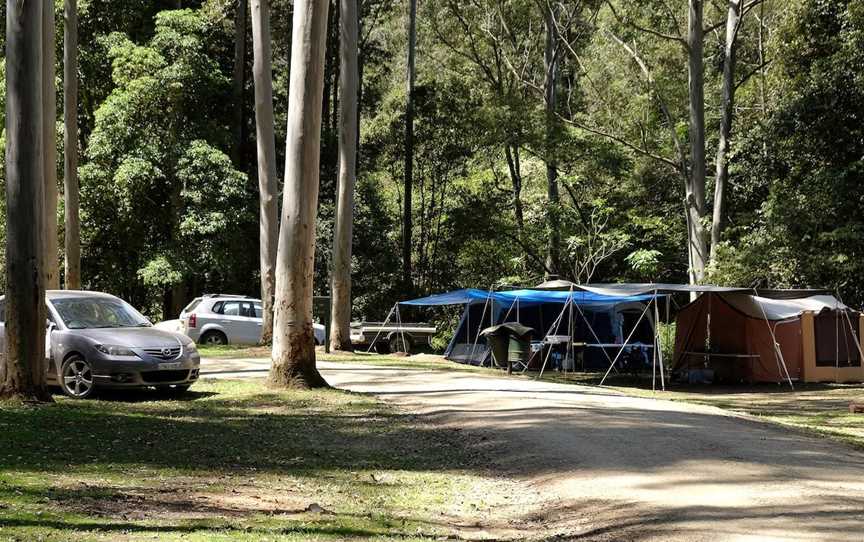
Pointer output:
x,y
214,338
76,378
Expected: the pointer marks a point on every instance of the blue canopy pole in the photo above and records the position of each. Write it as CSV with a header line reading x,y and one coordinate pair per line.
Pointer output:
x,y
627,340
557,326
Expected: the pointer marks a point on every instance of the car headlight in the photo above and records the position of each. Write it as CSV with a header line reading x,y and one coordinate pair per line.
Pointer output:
x,y
114,350
190,348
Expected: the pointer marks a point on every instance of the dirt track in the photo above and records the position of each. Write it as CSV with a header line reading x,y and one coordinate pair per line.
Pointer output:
x,y
623,468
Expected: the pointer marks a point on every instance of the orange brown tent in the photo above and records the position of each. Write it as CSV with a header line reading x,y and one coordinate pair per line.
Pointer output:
x,y
737,337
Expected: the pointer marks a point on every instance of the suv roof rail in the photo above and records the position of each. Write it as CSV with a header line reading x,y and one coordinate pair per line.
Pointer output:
x,y
227,295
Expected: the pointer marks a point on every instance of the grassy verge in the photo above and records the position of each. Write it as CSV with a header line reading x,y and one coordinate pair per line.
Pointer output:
x,y
235,461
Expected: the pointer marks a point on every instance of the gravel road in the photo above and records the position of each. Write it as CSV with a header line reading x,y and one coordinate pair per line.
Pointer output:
x,y
612,467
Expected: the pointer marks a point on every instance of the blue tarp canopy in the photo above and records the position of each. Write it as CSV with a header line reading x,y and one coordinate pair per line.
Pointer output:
x,y
524,297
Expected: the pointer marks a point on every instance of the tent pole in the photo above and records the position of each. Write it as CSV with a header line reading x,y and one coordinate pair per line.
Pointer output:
x,y
556,325
570,351
400,328
851,329
504,320
635,327
477,335
386,320
659,347
778,355
656,345
854,335
836,341
594,334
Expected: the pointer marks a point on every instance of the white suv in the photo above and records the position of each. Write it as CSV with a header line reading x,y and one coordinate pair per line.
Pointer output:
x,y
227,319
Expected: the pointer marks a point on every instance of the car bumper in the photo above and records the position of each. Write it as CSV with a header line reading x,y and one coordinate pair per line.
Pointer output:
x,y
141,374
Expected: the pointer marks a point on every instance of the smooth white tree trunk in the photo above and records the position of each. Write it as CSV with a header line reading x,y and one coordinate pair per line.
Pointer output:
x,y
49,149
340,322
22,369
293,339
553,228
733,22
695,190
407,204
72,238
268,185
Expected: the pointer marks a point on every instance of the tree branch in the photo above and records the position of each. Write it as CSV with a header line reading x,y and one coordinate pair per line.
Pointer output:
x,y
751,73
619,139
670,37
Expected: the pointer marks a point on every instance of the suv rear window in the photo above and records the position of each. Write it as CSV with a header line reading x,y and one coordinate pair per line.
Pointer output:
x,y
191,306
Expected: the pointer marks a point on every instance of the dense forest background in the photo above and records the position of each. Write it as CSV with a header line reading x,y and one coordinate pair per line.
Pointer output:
x,y
168,164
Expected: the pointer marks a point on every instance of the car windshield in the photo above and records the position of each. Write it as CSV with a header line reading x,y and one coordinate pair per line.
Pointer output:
x,y
98,312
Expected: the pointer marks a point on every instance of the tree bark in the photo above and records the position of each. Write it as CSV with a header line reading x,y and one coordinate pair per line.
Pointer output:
x,y
293,339
407,224
695,190
49,149
72,239
22,371
340,322
511,153
733,22
268,186
238,78
553,250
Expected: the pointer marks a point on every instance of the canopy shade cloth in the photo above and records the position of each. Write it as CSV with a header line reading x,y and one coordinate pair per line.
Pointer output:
x,y
649,288
598,322
525,297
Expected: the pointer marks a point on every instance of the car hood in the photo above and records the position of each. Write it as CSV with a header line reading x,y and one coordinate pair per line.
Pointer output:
x,y
135,337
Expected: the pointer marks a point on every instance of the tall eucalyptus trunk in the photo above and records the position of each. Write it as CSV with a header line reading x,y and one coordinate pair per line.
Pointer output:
x,y
407,222
293,339
22,368
340,322
553,228
268,185
694,201
72,238
733,23
49,148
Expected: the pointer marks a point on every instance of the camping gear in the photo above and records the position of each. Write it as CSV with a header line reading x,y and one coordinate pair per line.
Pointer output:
x,y
599,321
509,343
737,337
757,335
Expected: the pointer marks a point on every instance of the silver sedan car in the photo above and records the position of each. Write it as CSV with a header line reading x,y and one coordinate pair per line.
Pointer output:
x,y
95,340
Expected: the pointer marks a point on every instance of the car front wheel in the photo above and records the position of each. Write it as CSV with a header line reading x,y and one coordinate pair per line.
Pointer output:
x,y
76,378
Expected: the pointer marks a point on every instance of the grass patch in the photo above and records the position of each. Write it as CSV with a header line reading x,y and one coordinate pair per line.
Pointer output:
x,y
821,409
234,461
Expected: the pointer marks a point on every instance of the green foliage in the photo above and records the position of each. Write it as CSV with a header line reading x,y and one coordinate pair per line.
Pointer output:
x,y
167,215
160,200
808,228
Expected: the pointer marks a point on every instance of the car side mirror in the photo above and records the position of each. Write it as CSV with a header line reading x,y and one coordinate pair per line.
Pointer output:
x,y
50,326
